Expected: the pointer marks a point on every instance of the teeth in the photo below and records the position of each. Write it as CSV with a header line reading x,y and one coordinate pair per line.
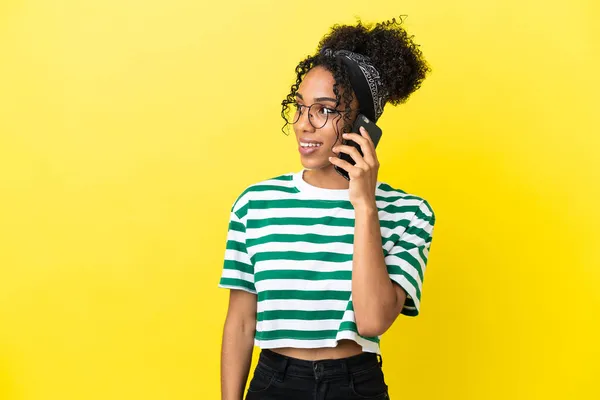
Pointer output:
x,y
310,144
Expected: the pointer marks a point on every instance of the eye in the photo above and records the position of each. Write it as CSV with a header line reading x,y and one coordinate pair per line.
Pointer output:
x,y
326,111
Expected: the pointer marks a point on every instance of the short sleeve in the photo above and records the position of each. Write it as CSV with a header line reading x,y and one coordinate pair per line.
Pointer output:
x,y
407,259
238,271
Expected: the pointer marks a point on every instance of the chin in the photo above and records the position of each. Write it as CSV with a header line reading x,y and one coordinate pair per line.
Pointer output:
x,y
315,164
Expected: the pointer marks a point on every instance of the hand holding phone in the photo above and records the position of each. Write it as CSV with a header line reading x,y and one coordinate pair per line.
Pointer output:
x,y
374,132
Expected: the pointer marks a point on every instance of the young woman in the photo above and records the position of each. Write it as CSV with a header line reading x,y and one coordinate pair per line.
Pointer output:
x,y
321,266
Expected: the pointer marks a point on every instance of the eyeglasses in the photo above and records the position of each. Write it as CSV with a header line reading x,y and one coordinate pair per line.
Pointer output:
x,y
318,114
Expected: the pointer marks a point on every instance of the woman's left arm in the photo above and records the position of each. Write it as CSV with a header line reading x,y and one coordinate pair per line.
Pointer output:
x,y
377,300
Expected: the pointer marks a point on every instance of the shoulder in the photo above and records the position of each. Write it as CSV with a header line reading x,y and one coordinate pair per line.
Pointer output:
x,y
271,187
401,201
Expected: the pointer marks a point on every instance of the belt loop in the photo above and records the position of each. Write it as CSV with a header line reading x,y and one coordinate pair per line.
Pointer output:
x,y
346,366
284,368
315,367
380,360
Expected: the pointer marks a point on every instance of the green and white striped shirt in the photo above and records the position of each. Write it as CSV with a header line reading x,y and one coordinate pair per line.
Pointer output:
x,y
291,244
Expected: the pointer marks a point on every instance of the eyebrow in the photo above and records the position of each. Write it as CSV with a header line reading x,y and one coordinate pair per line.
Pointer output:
x,y
317,99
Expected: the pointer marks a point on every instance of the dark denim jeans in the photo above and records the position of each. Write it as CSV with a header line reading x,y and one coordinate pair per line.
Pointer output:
x,y
279,377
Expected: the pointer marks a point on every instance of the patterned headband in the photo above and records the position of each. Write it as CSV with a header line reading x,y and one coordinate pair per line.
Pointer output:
x,y
365,79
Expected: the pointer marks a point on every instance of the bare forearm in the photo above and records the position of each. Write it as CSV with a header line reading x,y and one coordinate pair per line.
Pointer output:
x,y
236,356
373,294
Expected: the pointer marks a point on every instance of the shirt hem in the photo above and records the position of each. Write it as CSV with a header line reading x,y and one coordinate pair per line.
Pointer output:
x,y
367,346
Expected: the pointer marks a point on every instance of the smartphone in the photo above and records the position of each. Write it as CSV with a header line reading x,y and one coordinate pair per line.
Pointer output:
x,y
374,132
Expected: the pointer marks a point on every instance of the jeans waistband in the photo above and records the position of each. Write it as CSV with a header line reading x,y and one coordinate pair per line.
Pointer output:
x,y
319,368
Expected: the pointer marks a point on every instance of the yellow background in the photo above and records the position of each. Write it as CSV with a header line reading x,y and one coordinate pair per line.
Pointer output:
x,y
127,129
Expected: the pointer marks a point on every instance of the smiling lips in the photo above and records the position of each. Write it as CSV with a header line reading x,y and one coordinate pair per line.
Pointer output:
x,y
308,146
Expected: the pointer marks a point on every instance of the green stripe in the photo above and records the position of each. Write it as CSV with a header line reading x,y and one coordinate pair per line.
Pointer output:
x,y
285,177
422,254
238,266
330,221
321,239
304,295
351,326
299,256
294,334
348,326
432,218
233,245
404,244
241,213
394,224
303,274
392,238
299,314
275,188
387,188
423,234
393,209
291,238
408,246
238,283
409,258
421,215
237,226
395,270
253,187
392,199
299,203
325,204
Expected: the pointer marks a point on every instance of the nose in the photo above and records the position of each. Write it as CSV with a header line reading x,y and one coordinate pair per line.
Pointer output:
x,y
303,124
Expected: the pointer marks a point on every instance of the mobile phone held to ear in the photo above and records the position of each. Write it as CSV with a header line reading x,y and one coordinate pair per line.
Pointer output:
x,y
374,132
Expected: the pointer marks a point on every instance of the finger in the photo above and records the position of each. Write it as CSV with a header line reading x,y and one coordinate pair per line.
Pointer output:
x,y
364,132
367,147
361,140
351,169
352,152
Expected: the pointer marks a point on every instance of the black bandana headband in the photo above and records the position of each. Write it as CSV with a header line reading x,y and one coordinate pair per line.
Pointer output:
x,y
365,79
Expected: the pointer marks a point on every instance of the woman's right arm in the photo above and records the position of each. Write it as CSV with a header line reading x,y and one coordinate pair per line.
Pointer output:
x,y
238,342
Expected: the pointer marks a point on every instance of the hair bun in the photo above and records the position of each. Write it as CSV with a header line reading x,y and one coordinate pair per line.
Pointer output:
x,y
391,50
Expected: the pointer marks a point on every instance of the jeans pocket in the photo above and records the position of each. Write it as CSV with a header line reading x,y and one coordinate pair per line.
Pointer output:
x,y
262,380
369,384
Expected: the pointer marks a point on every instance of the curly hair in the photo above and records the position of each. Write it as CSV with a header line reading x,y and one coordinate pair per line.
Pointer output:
x,y
397,58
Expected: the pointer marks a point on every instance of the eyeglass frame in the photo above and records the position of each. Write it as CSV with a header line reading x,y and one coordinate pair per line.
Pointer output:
x,y
299,110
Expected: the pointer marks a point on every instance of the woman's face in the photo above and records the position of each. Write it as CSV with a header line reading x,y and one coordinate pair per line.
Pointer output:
x,y
314,145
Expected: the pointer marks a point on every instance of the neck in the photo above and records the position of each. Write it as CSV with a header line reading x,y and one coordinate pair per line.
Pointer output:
x,y
326,178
